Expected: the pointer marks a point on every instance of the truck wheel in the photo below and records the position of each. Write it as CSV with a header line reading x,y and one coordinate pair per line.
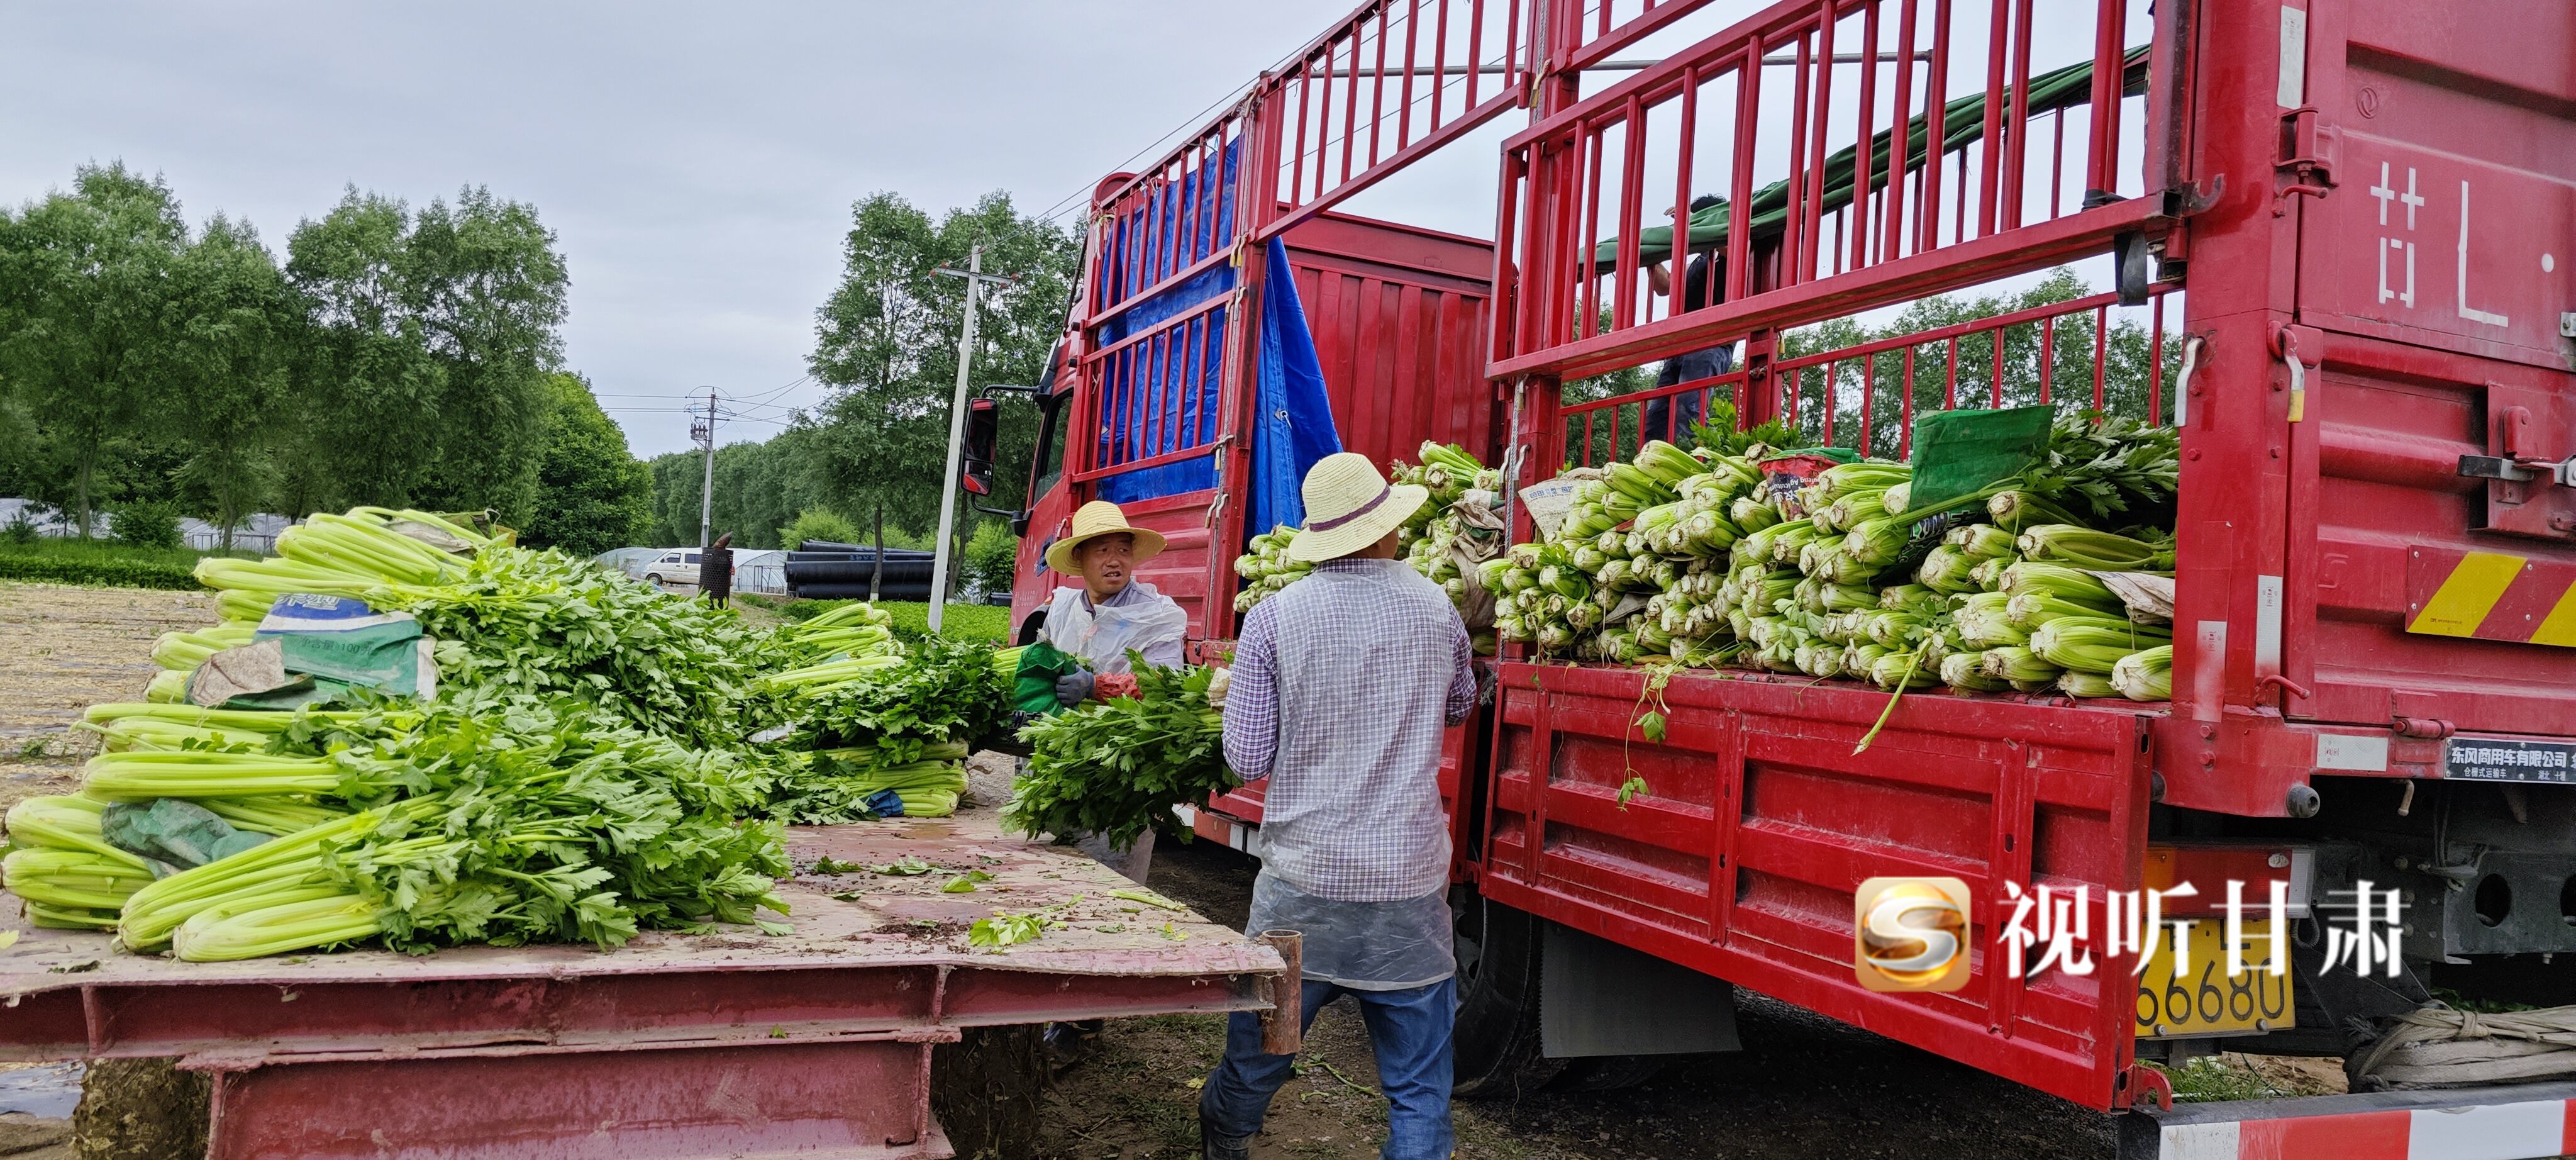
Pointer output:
x,y
1500,953
1497,1036
1030,628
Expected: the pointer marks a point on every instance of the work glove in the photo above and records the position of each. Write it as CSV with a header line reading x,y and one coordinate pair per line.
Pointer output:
x,y
1110,685
1073,688
1218,684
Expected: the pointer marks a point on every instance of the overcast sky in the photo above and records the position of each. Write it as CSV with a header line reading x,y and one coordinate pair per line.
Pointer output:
x,y
696,162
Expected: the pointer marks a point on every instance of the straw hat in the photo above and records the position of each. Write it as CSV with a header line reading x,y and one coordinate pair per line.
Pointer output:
x,y
1349,506
1096,519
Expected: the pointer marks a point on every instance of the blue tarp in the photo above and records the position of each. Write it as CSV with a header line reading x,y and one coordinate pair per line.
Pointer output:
x,y
1167,407
1295,416
1182,232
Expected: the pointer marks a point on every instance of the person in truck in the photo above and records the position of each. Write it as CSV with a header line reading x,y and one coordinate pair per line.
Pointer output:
x,y
1669,417
1110,611
1341,688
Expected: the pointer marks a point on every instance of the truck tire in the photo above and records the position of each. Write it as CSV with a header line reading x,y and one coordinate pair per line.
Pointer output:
x,y
1500,952
1497,1036
1030,628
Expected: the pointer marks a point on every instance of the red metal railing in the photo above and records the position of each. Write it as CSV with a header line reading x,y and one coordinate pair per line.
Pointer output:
x,y
1866,395
1170,222
1392,82
1792,118
1153,397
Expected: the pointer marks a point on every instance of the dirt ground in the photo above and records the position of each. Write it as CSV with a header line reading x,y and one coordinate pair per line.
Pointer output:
x,y
63,649
1803,1087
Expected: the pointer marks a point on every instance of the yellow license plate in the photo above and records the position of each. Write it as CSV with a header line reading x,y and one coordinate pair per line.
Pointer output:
x,y
2202,999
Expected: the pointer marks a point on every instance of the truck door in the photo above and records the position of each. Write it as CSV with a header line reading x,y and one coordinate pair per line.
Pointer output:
x,y
2426,157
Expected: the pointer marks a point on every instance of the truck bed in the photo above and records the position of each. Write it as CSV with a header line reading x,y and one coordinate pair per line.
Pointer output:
x,y
823,1033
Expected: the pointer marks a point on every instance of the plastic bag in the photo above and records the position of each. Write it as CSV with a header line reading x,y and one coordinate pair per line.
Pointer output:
x,y
1033,690
172,832
1102,636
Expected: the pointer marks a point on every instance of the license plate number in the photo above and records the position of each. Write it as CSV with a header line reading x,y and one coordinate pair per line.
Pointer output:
x,y
2202,999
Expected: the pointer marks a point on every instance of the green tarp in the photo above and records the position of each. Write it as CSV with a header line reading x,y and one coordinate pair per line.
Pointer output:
x,y
1962,122
1960,453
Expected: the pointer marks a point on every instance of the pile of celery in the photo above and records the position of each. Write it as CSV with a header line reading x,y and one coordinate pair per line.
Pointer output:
x,y
580,776
1701,558
899,722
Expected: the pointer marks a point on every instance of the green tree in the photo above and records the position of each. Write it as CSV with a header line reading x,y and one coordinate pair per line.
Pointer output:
x,y
85,276
818,524
592,493
433,337
992,557
233,329
886,342
760,488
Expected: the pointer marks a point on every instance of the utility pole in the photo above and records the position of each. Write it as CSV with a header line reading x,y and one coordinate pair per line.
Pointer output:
x,y
975,279
704,431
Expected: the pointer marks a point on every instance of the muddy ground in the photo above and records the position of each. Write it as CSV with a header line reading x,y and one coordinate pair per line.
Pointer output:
x,y
1803,1087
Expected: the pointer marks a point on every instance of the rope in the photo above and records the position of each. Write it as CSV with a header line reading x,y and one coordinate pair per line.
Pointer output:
x,y
2445,1047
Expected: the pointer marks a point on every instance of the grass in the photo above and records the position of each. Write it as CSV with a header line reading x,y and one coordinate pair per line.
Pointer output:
x,y
101,563
912,618
48,547
2210,1079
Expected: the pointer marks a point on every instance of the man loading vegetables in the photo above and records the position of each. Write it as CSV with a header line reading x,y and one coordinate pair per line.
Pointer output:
x,y
1112,611
1341,687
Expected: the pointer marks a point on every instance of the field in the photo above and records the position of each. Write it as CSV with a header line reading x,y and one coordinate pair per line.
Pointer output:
x,y
912,618
101,563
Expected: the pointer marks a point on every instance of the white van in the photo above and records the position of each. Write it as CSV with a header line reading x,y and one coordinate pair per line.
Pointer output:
x,y
677,567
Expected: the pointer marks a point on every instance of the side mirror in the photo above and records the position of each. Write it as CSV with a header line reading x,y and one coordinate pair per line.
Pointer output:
x,y
983,426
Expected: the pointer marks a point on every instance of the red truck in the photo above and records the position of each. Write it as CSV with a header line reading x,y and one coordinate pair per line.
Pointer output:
x,y
2344,224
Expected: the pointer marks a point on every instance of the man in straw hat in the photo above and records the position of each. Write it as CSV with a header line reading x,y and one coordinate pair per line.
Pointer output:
x,y
1341,687
1112,611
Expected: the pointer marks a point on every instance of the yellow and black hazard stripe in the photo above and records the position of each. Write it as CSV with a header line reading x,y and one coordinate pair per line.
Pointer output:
x,y
2491,596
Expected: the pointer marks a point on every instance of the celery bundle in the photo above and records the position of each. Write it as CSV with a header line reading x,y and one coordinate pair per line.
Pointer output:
x,y
907,726
503,822
1266,568
1116,767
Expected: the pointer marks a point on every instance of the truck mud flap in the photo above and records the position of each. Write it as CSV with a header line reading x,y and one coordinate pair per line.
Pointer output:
x,y
1756,821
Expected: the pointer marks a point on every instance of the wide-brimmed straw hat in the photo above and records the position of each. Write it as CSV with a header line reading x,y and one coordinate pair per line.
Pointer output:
x,y
1096,519
1349,506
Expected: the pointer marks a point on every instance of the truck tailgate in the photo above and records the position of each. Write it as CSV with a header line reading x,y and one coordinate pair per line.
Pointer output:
x,y
1758,821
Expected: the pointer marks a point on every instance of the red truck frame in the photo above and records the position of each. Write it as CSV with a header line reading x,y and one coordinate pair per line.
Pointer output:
x,y
2371,206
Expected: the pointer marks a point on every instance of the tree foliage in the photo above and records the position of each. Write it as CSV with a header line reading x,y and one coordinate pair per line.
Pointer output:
x,y
434,332
886,347
592,493
398,356
86,276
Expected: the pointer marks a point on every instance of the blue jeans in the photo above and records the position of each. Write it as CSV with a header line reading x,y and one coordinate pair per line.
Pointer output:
x,y
1669,417
1410,1030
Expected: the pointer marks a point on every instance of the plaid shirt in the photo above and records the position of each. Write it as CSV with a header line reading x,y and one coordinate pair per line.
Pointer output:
x,y
1334,680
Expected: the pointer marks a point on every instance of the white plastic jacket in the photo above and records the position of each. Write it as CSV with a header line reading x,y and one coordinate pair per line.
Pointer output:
x,y
1139,618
